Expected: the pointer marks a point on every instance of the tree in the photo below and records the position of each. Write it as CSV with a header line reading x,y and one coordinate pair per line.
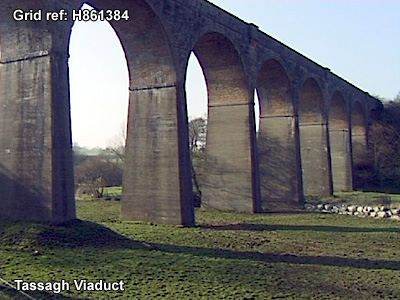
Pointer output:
x,y
384,145
116,146
95,173
197,143
397,98
197,134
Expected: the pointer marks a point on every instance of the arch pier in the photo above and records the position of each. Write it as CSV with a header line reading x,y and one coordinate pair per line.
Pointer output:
x,y
278,140
315,147
361,160
340,142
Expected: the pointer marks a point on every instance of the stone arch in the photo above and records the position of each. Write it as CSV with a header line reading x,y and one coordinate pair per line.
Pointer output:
x,y
39,174
338,113
223,70
278,151
358,120
361,163
339,135
274,90
90,43
156,150
145,42
229,180
311,103
373,115
196,88
314,144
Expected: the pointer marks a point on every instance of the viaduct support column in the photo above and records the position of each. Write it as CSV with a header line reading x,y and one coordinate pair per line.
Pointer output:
x,y
314,141
341,160
360,149
36,175
315,159
361,162
230,172
279,157
157,178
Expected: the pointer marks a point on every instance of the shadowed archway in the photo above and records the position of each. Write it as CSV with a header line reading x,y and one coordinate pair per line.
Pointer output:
x,y
278,149
229,167
339,134
157,186
314,145
361,162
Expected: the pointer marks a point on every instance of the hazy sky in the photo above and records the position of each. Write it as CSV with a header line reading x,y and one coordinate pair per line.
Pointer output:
x,y
358,40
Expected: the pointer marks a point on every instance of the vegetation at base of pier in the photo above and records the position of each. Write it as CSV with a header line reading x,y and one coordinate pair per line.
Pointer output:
x,y
358,198
227,256
384,151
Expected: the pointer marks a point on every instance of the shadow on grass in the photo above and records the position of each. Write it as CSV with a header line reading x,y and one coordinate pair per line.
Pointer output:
x,y
83,234
284,258
7,293
77,234
263,227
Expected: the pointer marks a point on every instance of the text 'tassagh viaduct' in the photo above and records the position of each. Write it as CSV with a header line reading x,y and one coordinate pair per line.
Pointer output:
x,y
313,124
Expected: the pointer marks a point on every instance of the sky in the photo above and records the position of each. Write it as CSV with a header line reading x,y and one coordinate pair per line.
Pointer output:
x,y
359,40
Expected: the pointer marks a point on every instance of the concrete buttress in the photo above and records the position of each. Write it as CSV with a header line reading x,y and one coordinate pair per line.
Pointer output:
x,y
35,138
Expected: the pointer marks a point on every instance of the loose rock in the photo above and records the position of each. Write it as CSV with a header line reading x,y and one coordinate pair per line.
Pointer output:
x,y
381,212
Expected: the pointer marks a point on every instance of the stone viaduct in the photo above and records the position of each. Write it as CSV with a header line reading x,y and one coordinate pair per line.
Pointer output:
x,y
313,124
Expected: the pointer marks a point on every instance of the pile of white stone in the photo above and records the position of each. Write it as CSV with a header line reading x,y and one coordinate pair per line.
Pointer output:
x,y
380,212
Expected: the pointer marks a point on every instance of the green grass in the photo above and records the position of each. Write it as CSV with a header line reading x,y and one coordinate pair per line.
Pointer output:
x,y
90,152
227,256
110,193
113,191
359,198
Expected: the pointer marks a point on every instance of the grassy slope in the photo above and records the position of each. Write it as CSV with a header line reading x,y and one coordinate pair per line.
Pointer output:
x,y
228,256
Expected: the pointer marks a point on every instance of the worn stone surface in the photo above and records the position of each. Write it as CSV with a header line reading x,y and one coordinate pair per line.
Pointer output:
x,y
340,144
279,157
315,160
278,140
228,178
151,177
35,139
341,160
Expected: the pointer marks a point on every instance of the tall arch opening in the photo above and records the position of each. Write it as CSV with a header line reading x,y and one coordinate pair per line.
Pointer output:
x,y
196,89
314,146
99,84
99,93
359,144
278,152
339,135
229,177
256,111
196,100
156,184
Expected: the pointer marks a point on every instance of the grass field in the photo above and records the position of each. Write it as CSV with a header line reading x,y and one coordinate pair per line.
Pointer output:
x,y
359,198
227,256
